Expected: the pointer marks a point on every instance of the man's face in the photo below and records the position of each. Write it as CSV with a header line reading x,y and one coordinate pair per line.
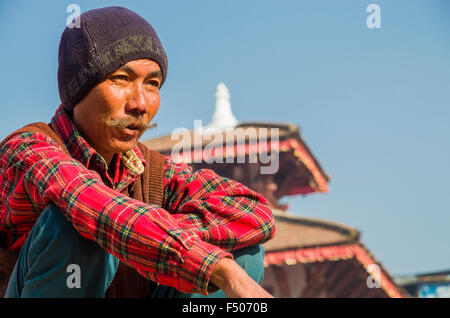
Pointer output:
x,y
116,112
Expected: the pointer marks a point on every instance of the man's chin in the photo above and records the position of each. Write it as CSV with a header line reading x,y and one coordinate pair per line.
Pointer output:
x,y
123,143
121,146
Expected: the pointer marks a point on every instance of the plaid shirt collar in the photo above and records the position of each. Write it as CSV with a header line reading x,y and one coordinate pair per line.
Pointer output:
x,y
128,166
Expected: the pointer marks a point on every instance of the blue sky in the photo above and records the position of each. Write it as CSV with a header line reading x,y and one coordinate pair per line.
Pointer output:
x,y
372,104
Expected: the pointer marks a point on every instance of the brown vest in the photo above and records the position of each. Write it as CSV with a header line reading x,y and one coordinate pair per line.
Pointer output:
x,y
147,188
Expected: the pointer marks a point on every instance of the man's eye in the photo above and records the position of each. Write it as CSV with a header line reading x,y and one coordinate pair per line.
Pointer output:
x,y
120,77
154,83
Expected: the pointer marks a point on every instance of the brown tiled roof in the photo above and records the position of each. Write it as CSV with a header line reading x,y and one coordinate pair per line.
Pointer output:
x,y
391,279
299,171
164,144
299,232
295,233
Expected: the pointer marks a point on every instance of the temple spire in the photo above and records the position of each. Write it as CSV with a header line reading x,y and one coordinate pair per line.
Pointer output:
x,y
223,116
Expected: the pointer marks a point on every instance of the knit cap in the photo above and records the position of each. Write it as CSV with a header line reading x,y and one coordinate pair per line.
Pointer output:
x,y
107,39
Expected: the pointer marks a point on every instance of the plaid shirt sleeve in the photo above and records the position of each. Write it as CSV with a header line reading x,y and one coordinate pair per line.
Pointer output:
x,y
203,217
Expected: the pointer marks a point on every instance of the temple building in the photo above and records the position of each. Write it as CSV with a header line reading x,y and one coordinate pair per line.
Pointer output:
x,y
308,257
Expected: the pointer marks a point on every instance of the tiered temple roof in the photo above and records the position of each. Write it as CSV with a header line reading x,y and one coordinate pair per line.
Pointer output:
x,y
317,258
308,257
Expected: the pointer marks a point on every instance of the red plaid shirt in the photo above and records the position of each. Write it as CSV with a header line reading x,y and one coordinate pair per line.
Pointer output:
x,y
203,217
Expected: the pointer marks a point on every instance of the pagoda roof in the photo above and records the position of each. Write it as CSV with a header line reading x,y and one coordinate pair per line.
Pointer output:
x,y
299,171
297,231
304,240
164,144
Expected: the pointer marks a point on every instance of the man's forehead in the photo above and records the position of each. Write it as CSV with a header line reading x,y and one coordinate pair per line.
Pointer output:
x,y
142,65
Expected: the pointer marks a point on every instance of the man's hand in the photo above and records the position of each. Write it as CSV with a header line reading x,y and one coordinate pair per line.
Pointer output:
x,y
235,282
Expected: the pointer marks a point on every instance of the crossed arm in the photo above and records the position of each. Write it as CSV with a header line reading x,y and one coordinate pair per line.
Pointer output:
x,y
184,244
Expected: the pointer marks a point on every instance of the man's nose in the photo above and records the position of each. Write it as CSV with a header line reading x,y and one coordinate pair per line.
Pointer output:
x,y
136,102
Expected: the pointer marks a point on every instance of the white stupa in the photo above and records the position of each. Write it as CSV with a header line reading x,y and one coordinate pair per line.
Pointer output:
x,y
223,116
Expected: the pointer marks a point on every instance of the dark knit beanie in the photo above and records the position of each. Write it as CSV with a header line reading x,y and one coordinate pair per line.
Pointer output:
x,y
107,39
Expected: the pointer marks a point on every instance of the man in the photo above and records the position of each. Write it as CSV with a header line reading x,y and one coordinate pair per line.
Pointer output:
x,y
65,207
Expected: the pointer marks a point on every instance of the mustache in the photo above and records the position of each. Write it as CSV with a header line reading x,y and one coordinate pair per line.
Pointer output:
x,y
124,122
